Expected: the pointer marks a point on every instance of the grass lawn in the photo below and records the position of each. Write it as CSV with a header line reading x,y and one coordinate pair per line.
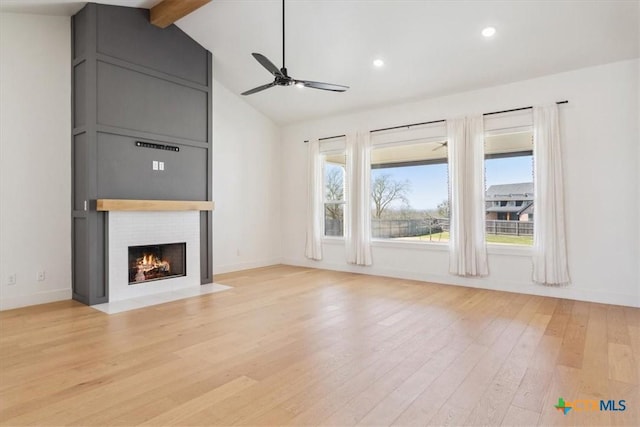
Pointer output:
x,y
491,238
512,240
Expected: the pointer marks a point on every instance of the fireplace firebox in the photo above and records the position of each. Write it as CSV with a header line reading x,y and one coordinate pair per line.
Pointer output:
x,y
156,262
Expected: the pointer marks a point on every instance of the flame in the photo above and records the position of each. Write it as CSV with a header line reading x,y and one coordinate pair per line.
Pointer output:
x,y
150,262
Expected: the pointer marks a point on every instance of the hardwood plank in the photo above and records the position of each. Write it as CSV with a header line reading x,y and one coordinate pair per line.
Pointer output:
x,y
533,388
392,405
617,326
622,366
572,349
365,369
516,417
494,402
595,365
631,394
565,383
396,402
560,318
419,364
334,363
431,406
427,404
111,392
633,328
531,392
178,414
290,345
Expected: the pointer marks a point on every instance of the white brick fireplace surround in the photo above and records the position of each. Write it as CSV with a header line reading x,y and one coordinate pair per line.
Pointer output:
x,y
149,228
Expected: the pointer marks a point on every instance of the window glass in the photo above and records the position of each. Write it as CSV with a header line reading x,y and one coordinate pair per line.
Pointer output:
x,y
409,192
334,194
509,188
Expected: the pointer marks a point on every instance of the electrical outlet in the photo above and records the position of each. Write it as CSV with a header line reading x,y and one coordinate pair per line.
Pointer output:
x,y
155,165
40,276
11,279
161,166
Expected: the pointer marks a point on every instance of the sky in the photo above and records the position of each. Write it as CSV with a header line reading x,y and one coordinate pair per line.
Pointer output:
x,y
429,183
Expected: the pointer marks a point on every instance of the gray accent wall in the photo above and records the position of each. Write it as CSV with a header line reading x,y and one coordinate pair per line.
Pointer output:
x,y
134,82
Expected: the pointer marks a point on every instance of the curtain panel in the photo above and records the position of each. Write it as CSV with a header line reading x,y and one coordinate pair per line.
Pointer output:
x,y
315,202
467,247
550,265
358,209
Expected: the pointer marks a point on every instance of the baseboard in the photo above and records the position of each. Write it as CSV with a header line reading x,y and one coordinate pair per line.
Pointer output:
x,y
34,299
229,268
572,292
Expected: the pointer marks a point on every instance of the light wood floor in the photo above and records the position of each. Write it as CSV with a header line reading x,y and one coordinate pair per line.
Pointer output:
x,y
299,346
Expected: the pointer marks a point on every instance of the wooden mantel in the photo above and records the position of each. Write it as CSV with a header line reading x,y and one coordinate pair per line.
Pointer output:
x,y
153,205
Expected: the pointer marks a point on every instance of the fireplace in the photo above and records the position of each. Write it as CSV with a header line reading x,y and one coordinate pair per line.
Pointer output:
x,y
130,232
156,262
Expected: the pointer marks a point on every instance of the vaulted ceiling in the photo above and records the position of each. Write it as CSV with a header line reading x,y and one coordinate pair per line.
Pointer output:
x,y
430,48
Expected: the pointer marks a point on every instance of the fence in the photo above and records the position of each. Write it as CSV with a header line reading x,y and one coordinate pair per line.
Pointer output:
x,y
512,228
333,227
395,228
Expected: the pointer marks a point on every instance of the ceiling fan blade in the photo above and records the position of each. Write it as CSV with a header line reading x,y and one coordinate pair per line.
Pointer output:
x,y
259,88
322,86
267,64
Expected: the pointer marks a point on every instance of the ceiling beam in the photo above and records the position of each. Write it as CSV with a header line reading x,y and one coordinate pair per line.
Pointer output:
x,y
167,12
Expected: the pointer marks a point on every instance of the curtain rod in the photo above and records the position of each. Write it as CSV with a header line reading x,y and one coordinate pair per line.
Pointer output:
x,y
519,109
435,121
327,137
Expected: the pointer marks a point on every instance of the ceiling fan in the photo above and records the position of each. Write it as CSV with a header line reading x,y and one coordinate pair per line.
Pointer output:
x,y
281,76
442,145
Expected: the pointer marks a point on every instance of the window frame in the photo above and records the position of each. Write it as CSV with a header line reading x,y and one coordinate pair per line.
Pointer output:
x,y
409,140
506,248
325,201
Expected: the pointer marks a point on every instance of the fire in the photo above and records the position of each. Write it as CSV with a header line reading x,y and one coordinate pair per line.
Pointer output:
x,y
150,265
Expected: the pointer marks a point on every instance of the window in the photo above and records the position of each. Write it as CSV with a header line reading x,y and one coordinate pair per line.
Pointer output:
x,y
409,191
509,187
334,194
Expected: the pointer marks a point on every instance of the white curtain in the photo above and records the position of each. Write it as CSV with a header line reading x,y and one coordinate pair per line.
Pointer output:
x,y
358,210
467,247
549,242
315,202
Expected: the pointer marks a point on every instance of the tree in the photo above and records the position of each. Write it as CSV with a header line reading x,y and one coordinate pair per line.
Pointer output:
x,y
444,209
386,190
334,192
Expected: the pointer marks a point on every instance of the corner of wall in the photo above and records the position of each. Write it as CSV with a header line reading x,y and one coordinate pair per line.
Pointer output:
x,y
247,176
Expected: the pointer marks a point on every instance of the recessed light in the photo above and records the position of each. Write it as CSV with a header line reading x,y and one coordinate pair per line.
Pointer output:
x,y
489,32
378,62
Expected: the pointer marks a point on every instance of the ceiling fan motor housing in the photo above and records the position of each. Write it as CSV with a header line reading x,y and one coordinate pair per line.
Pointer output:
x,y
284,80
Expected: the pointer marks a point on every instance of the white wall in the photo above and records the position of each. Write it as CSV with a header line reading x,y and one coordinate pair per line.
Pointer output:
x,y
246,190
259,176
600,135
35,158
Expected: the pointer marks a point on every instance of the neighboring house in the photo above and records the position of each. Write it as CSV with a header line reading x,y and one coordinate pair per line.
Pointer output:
x,y
511,202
